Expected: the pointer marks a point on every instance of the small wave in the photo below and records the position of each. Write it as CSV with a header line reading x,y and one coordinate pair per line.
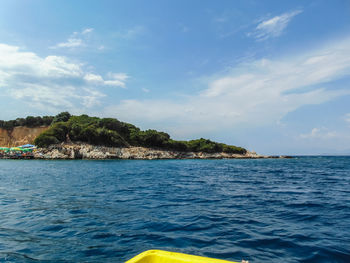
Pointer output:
x,y
103,236
54,228
77,211
327,255
18,257
294,216
306,205
273,243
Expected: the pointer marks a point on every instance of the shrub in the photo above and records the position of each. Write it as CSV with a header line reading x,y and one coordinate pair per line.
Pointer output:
x,y
149,138
9,124
31,121
44,140
109,138
55,134
110,124
47,120
58,130
203,145
61,117
181,146
90,135
21,122
233,149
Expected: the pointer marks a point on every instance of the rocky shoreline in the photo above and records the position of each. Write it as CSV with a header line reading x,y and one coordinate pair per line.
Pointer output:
x,y
86,151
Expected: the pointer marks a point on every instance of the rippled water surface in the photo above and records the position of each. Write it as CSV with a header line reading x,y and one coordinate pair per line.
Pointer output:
x,y
295,210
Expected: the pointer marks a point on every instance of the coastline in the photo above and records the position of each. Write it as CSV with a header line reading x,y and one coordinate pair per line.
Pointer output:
x,y
74,151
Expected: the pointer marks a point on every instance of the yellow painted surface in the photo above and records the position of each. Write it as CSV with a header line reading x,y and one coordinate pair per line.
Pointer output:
x,y
159,256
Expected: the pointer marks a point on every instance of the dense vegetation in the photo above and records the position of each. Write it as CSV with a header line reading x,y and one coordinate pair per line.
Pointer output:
x,y
112,132
37,121
30,121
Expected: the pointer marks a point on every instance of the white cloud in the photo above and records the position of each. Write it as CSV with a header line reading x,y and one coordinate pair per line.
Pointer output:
x,y
93,78
87,31
347,118
58,67
319,133
255,93
77,39
52,82
92,97
116,79
145,90
71,42
273,27
13,61
118,76
115,83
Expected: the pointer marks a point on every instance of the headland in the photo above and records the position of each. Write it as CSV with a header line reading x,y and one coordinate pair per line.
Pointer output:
x,y
83,137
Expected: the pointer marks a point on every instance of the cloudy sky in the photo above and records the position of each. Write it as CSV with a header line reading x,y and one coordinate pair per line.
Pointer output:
x,y
271,76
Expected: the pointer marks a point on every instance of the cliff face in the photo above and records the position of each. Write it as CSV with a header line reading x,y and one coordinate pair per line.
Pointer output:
x,y
19,135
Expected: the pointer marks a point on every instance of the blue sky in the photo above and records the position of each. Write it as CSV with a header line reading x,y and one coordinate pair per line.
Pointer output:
x,y
271,76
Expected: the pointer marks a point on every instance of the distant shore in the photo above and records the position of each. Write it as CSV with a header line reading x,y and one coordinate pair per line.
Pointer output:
x,y
93,152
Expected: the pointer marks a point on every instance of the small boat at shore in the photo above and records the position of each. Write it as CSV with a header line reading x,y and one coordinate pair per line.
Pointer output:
x,y
160,256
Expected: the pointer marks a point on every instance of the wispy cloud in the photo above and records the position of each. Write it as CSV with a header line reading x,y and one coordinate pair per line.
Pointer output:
x,y
87,31
319,133
70,43
115,79
130,33
52,82
221,19
77,39
255,93
118,76
347,118
273,27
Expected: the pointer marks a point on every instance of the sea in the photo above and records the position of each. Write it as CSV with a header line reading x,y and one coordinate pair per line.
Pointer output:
x,y
265,210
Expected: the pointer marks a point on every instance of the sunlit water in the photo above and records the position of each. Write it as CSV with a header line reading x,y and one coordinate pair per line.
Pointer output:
x,y
295,210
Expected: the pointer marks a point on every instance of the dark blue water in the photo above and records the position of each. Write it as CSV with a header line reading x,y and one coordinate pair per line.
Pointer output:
x,y
295,210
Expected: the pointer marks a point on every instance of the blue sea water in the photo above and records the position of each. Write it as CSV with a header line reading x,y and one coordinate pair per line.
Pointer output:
x,y
273,210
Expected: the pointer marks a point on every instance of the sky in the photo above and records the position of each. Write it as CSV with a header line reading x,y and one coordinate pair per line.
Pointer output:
x,y
270,76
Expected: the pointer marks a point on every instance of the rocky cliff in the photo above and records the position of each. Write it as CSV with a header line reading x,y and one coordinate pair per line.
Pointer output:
x,y
19,135
86,151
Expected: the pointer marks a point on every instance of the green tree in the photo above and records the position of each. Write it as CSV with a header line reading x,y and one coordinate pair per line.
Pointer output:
x,y
61,117
9,124
47,120
30,121
20,122
45,140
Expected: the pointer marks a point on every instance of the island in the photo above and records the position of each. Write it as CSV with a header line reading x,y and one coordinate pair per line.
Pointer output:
x,y
65,136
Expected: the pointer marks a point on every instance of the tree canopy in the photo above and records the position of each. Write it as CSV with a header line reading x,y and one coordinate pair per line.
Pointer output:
x,y
29,121
111,132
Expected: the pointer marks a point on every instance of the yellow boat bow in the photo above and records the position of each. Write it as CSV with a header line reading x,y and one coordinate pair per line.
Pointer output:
x,y
160,256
